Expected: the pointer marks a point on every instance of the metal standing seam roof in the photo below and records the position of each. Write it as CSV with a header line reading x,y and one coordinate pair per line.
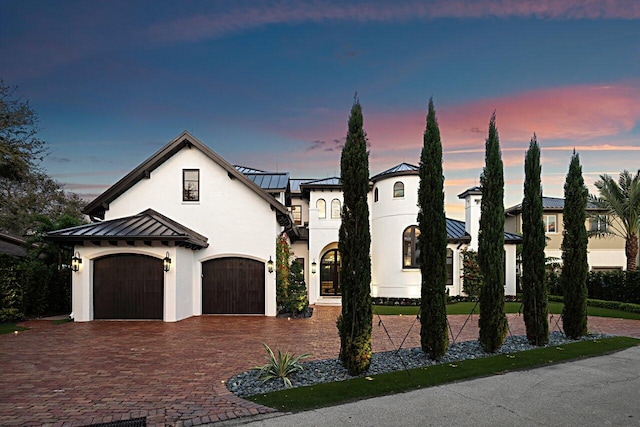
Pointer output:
x,y
295,184
270,181
456,230
329,182
147,225
246,169
401,169
551,203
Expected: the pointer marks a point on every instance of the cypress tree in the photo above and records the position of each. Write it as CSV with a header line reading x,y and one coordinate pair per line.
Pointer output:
x,y
432,242
493,322
354,323
534,286
573,278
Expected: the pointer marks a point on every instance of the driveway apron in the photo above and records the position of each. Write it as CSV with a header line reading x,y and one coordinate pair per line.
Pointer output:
x,y
77,374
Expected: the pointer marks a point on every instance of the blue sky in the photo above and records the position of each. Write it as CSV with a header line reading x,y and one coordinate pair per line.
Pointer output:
x,y
270,84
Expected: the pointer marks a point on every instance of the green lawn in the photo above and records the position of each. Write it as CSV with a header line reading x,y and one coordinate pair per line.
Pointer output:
x,y
9,328
509,307
310,397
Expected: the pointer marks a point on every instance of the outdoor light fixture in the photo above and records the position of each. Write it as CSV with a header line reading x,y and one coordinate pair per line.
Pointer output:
x,y
270,265
76,261
313,267
166,263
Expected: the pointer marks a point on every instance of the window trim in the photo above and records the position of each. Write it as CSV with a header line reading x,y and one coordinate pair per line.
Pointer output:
x,y
322,213
413,243
184,187
601,223
400,187
332,208
545,220
294,216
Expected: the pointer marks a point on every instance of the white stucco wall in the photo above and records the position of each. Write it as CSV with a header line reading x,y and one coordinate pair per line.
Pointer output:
x,y
236,220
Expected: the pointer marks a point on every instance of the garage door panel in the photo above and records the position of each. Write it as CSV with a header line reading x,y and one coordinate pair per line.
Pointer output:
x,y
128,286
233,286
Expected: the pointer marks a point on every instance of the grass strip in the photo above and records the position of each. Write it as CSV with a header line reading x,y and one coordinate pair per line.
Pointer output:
x,y
509,307
60,321
328,394
10,328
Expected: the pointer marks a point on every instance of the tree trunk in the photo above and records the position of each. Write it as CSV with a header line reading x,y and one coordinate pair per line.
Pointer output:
x,y
631,250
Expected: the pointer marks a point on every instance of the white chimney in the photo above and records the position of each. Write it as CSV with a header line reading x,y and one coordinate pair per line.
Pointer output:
x,y
472,200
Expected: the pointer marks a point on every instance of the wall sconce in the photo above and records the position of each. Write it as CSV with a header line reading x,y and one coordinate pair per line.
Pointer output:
x,y
166,263
270,265
76,261
314,265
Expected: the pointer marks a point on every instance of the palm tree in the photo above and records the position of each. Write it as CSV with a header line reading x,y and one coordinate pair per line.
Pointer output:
x,y
622,201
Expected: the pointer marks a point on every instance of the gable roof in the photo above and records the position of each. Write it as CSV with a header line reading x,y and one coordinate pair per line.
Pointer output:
x,y
551,204
399,170
100,204
148,225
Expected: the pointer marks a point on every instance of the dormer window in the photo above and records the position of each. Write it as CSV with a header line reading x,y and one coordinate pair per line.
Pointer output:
x,y
190,185
398,190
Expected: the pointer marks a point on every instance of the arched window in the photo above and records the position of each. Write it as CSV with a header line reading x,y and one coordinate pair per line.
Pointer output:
x,y
449,267
375,195
335,209
398,190
410,251
330,273
321,205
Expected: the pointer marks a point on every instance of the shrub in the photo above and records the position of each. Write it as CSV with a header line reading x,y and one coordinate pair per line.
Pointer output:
x,y
297,300
471,275
280,366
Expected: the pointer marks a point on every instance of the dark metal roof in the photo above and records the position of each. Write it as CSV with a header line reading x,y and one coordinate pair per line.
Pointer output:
x,y
247,169
270,181
552,204
512,238
399,170
470,191
456,231
97,207
333,182
146,226
296,183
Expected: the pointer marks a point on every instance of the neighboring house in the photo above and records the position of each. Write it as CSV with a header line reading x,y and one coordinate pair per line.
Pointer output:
x,y
603,253
186,233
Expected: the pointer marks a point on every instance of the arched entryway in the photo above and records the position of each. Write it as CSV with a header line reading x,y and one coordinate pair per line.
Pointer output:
x,y
128,286
330,273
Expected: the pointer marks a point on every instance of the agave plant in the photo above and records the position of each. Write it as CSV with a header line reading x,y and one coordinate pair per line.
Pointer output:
x,y
281,366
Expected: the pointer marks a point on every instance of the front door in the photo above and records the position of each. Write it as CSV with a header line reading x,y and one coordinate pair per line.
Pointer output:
x,y
330,274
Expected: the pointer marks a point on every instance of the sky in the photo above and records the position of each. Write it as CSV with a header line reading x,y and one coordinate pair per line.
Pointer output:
x,y
270,84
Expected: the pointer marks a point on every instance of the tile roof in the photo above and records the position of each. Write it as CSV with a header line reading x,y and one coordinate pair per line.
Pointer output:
x,y
148,225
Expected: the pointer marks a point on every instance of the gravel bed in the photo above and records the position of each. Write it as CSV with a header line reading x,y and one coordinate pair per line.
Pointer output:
x,y
329,370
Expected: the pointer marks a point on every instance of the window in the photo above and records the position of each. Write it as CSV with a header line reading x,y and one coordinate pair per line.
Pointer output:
x,y
321,205
410,252
449,267
190,185
330,265
335,209
296,212
398,190
550,223
375,195
599,223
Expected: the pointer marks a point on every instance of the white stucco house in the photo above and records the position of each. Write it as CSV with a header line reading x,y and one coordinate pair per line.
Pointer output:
x,y
186,233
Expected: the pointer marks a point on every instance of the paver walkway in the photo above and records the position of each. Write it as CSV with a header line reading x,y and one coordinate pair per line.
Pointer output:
x,y
172,373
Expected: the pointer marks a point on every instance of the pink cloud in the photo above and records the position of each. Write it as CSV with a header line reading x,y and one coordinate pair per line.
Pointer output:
x,y
245,18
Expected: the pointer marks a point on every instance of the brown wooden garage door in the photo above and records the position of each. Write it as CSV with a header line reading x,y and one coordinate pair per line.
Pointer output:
x,y
128,286
232,286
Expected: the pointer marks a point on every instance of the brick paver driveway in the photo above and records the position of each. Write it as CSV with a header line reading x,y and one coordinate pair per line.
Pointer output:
x,y
173,373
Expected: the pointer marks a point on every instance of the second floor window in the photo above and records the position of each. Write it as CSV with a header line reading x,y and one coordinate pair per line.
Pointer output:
x,y
335,209
296,212
598,223
321,205
550,223
398,190
190,185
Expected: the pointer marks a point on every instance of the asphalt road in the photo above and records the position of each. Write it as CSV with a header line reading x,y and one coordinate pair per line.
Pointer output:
x,y
600,391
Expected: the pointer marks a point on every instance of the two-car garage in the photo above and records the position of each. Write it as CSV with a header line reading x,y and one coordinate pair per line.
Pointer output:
x,y
131,286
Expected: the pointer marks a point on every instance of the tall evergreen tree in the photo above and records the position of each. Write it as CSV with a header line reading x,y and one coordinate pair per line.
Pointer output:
x,y
573,279
534,286
432,242
493,322
354,324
